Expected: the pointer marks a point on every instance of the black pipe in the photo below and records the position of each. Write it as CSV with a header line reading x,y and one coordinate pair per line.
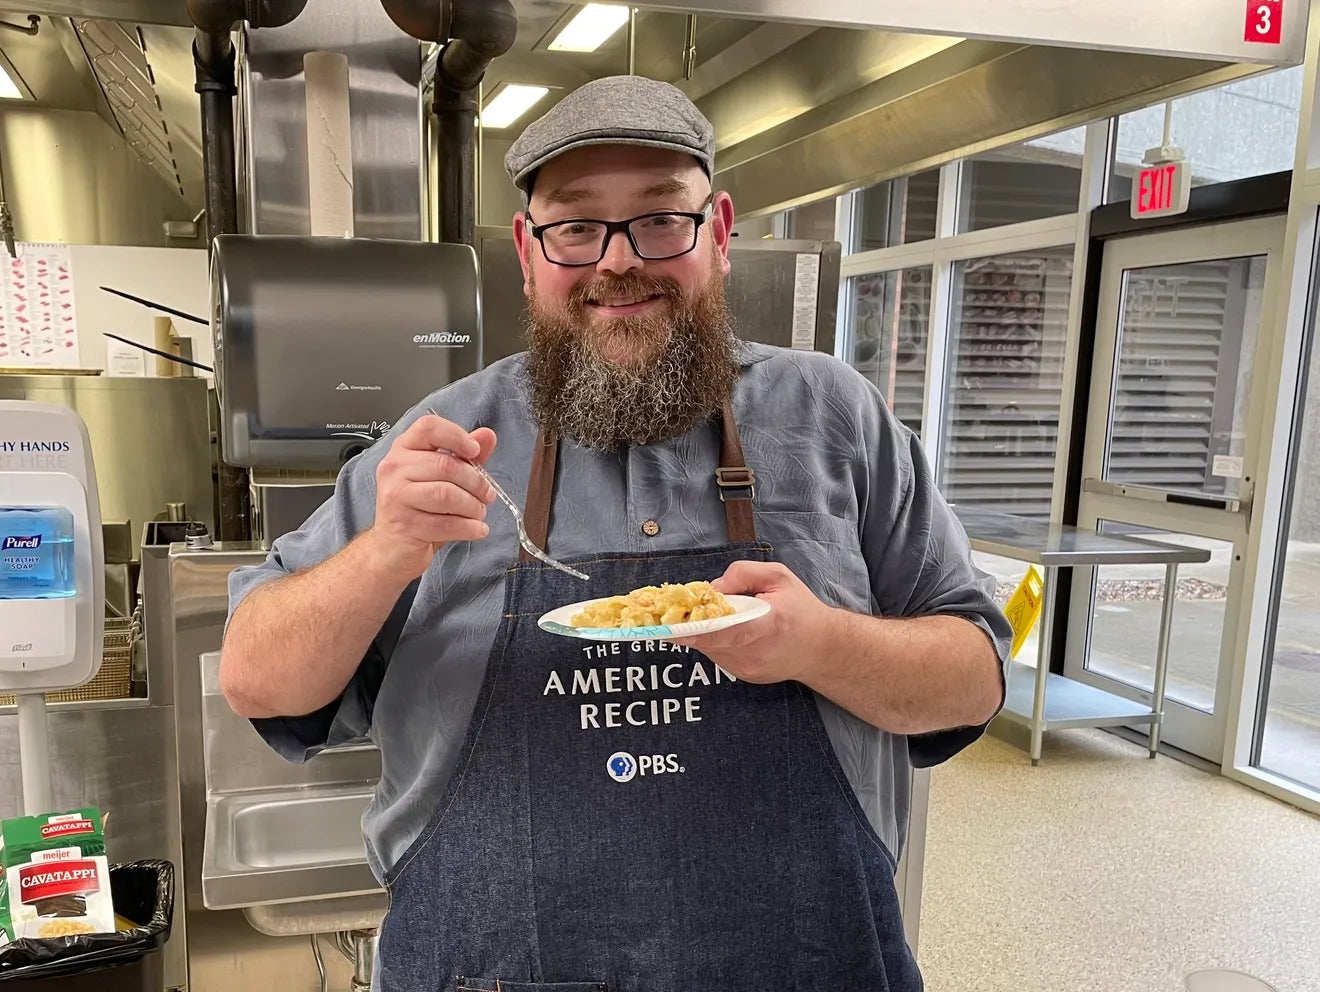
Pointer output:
x,y
480,32
213,64
456,119
219,17
33,26
474,33
215,86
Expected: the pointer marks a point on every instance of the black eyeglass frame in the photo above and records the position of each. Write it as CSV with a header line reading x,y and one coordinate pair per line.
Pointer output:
x,y
613,227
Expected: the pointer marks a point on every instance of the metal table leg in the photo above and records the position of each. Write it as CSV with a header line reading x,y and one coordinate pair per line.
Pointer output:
x,y
1162,653
1042,665
912,865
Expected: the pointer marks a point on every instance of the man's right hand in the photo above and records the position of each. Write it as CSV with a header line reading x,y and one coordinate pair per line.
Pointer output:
x,y
427,497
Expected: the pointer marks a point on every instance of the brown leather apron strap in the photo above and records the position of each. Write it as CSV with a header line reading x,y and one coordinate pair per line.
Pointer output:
x,y
540,492
735,483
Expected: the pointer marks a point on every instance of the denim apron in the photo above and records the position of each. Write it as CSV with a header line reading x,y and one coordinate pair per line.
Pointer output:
x,y
629,818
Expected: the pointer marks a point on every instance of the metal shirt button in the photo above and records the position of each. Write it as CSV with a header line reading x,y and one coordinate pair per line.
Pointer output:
x,y
650,528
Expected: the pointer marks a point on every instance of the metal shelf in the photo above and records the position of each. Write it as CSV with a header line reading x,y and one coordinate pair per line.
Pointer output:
x,y
1056,702
1069,704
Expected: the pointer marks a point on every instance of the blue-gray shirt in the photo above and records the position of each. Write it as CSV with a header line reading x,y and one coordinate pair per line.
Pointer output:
x,y
844,495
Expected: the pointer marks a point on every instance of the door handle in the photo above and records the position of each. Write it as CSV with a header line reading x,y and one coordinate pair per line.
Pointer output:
x,y
1228,504
1211,502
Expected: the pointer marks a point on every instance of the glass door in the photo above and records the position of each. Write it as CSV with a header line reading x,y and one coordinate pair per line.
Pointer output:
x,y
1168,456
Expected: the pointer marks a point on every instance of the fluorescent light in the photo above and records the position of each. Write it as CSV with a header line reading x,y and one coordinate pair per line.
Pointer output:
x,y
8,91
590,28
511,103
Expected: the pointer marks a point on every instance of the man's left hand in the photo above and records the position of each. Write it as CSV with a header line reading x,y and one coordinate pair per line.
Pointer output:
x,y
785,644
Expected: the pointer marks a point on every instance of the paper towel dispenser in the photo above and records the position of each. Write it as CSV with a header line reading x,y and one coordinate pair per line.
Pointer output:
x,y
320,343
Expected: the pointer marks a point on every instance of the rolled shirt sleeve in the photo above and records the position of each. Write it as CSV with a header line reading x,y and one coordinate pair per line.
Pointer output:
x,y
349,511
917,552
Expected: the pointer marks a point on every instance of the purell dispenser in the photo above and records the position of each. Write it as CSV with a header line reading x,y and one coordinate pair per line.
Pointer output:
x,y
52,572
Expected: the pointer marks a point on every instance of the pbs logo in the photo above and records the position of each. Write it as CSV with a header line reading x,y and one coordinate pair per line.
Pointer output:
x,y
622,766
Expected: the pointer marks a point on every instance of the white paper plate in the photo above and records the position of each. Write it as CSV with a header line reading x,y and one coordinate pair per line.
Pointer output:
x,y
559,622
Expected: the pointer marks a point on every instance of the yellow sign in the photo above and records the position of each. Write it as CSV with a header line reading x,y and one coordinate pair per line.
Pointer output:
x,y
1023,609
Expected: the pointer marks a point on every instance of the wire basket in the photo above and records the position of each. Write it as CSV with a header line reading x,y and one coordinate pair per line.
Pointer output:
x,y
115,679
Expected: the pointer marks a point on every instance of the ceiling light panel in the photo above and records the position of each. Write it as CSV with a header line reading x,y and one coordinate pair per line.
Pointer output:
x,y
510,103
8,88
591,27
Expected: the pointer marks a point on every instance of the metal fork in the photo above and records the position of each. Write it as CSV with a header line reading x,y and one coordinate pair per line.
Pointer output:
x,y
523,539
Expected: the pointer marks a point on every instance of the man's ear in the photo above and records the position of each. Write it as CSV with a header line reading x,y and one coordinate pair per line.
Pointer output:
x,y
721,225
523,239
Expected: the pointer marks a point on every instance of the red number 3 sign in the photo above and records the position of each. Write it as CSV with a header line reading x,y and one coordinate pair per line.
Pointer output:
x,y
1265,21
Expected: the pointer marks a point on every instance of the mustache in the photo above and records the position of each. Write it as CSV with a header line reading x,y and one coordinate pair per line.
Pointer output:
x,y
630,284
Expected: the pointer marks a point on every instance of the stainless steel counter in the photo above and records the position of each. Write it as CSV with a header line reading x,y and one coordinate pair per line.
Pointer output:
x,y
1036,697
1056,545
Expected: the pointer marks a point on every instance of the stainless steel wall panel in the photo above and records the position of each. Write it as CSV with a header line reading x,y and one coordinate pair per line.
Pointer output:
x,y
151,440
385,103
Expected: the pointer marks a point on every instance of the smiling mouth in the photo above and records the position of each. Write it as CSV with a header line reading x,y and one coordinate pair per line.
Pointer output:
x,y
618,302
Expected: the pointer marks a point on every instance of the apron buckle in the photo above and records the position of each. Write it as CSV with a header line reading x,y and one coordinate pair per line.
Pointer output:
x,y
741,477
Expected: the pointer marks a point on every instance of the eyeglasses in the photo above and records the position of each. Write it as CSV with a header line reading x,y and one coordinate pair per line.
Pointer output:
x,y
654,237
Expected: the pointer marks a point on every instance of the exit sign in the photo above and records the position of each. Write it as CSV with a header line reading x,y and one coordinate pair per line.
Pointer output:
x,y
1161,190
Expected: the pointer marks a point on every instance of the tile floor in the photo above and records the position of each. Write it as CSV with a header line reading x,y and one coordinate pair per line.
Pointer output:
x,y
1104,871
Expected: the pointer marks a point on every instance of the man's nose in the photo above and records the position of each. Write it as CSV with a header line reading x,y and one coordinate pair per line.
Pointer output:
x,y
619,256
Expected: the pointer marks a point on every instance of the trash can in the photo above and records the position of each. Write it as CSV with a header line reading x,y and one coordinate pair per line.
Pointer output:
x,y
127,961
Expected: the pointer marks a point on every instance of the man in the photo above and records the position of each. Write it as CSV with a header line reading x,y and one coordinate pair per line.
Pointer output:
x,y
720,813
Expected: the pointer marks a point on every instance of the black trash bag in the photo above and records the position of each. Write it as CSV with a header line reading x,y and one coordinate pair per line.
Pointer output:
x,y
142,890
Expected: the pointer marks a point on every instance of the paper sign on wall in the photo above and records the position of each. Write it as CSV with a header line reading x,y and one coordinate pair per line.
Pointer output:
x,y
37,320
806,286
1227,467
124,360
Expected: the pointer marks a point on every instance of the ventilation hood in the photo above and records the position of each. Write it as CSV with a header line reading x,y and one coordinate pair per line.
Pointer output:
x,y
911,102
802,108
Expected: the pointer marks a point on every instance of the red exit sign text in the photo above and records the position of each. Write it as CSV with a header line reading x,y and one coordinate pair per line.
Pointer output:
x,y
1161,190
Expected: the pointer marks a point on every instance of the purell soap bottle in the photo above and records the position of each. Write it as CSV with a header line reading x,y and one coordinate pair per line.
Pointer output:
x,y
36,553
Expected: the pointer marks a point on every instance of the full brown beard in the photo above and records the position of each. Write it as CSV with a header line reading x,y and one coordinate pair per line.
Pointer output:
x,y
683,362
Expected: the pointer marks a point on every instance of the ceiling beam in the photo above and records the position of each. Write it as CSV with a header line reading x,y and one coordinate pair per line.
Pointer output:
x,y
1192,29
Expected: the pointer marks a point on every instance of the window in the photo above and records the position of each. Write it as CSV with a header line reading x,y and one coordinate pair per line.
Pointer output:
x,y
1038,179
812,221
890,317
1289,731
755,229
1005,376
1188,336
1125,621
1247,128
897,212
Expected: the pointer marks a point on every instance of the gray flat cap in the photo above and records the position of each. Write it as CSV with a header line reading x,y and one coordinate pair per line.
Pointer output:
x,y
616,110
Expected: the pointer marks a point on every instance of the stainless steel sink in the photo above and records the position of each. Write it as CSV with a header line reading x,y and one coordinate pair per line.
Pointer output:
x,y
304,830
283,841
267,847
293,861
